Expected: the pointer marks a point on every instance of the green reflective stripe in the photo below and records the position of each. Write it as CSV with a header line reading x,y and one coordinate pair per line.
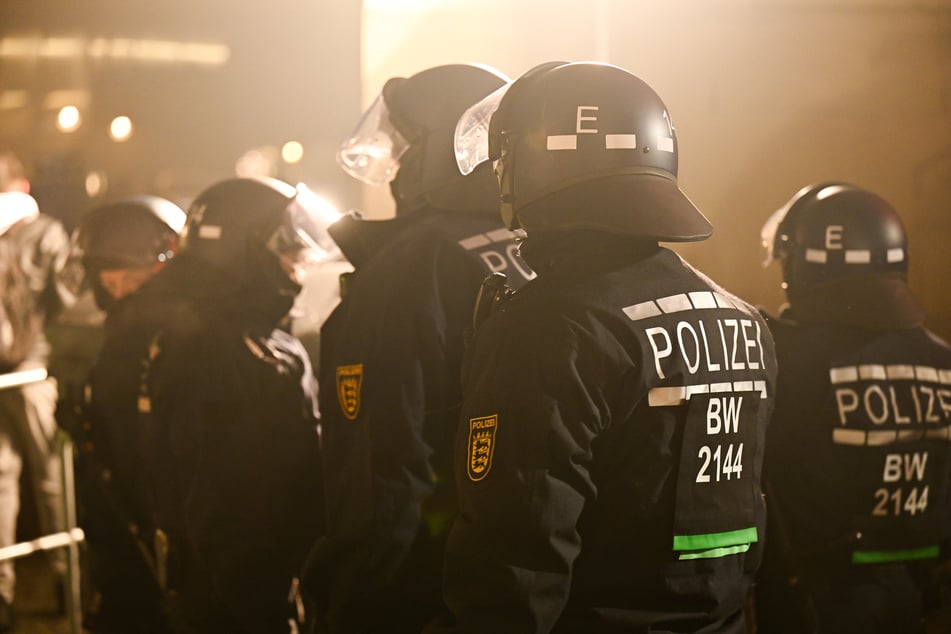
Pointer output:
x,y
886,556
438,523
716,552
715,540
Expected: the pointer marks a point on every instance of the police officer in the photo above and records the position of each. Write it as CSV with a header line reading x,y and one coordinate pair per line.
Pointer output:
x,y
611,438
122,245
391,353
857,456
228,409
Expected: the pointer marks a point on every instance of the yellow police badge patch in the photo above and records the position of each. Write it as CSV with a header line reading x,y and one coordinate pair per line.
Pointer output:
x,y
481,445
349,381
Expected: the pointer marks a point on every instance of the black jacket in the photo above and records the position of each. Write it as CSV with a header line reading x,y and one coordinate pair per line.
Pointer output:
x,y
858,459
609,457
112,484
230,431
390,391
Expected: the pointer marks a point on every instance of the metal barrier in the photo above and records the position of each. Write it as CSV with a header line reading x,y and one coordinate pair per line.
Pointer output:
x,y
73,535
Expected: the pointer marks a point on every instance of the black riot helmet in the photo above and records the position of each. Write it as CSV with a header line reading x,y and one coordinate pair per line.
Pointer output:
x,y
829,232
582,146
135,232
844,255
406,138
257,230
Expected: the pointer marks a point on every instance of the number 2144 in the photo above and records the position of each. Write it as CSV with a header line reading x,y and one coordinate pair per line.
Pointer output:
x,y
724,466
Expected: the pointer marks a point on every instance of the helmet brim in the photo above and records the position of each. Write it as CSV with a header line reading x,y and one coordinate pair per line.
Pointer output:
x,y
647,205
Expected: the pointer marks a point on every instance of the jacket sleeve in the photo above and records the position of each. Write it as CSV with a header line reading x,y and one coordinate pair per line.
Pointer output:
x,y
522,460
55,290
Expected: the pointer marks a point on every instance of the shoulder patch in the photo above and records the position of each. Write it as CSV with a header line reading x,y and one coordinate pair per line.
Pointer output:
x,y
481,446
349,381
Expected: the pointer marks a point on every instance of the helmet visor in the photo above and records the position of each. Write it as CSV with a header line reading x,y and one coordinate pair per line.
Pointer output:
x,y
372,151
769,238
471,140
301,238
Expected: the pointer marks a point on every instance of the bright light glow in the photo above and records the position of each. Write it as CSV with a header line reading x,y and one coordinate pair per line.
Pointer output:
x,y
318,204
68,118
10,99
163,51
416,5
95,183
292,152
60,47
121,128
56,99
831,190
256,162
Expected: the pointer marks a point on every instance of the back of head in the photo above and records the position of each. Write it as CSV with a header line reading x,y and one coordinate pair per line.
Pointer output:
x,y
842,246
406,137
15,202
12,174
588,146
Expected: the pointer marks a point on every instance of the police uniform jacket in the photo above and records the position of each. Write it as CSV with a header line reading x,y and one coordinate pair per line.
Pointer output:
x,y
390,363
112,485
858,459
609,457
228,410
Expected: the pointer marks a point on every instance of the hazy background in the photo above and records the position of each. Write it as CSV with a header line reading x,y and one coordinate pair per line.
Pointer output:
x,y
766,96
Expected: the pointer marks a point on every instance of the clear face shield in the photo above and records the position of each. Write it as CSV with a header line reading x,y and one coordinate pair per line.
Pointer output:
x,y
302,238
372,152
768,236
471,140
